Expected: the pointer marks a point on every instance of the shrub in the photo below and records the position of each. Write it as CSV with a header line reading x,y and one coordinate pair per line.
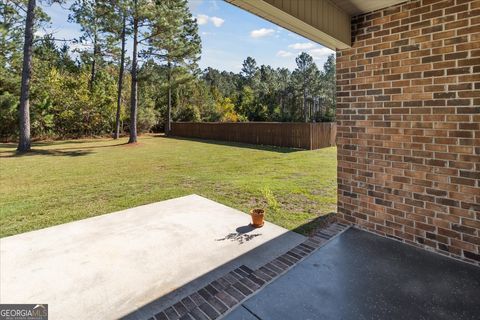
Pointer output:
x,y
189,113
147,118
8,115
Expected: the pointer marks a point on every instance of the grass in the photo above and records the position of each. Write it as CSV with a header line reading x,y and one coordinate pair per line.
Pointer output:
x,y
65,181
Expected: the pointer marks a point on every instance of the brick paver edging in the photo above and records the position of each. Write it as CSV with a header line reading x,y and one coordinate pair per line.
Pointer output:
x,y
227,292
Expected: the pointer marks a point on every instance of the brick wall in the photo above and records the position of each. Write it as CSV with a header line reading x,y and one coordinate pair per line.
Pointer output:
x,y
408,112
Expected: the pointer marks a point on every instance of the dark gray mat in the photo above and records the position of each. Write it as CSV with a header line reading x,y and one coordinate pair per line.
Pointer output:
x,y
359,275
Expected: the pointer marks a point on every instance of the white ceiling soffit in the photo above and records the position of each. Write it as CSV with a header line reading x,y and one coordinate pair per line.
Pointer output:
x,y
318,20
356,7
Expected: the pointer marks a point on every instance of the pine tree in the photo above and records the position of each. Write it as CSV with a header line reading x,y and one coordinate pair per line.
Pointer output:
x,y
12,24
328,88
249,70
173,40
306,76
136,14
24,143
120,76
114,24
89,14
141,15
283,78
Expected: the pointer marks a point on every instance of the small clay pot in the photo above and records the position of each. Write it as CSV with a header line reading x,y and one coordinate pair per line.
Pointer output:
x,y
257,217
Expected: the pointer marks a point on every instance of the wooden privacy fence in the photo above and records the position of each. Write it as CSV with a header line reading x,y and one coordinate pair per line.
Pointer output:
x,y
308,136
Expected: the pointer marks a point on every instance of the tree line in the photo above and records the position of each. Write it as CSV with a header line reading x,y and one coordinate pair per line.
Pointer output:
x,y
262,93
90,86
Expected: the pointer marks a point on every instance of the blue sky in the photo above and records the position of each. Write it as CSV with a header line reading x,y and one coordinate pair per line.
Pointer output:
x,y
229,35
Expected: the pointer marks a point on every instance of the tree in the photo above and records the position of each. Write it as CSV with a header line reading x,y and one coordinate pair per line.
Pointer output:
x,y
328,88
89,15
120,77
283,77
11,41
134,86
174,40
306,76
24,143
268,90
249,69
226,111
116,31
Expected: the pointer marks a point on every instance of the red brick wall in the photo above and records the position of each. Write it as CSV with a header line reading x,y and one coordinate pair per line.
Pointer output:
x,y
408,112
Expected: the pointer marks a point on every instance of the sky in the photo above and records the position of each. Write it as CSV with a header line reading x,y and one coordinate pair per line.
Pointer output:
x,y
229,35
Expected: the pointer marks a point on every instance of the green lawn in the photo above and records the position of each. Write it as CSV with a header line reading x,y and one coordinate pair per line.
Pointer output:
x,y
65,181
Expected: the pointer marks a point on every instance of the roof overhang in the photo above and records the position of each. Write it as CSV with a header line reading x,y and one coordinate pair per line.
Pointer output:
x,y
323,21
356,7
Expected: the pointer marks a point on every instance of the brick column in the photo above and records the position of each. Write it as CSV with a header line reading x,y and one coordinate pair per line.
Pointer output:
x,y
408,114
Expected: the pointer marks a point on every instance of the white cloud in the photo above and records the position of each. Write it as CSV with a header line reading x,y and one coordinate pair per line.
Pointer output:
x,y
217,22
302,46
320,53
263,32
284,54
202,19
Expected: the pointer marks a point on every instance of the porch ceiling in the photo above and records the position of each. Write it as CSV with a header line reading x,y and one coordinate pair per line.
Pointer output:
x,y
323,21
356,7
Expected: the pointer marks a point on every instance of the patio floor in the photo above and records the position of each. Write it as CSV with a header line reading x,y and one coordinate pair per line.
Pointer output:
x,y
358,275
134,261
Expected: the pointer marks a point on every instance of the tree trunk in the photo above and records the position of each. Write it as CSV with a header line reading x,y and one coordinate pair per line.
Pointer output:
x,y
120,82
305,104
169,108
94,62
24,143
133,97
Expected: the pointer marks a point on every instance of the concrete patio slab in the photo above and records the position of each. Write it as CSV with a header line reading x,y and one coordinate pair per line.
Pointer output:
x,y
132,262
359,275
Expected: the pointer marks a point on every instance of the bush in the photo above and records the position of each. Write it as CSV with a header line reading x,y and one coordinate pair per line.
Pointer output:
x,y
8,116
147,119
329,115
189,113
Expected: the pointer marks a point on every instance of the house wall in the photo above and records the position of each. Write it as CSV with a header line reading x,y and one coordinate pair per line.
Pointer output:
x,y
408,112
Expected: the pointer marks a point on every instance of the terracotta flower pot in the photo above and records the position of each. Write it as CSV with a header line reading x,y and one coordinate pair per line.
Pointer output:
x,y
257,217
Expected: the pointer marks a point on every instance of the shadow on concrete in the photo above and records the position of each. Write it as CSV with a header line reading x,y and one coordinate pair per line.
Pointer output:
x,y
252,259
243,234
319,222
356,275
235,144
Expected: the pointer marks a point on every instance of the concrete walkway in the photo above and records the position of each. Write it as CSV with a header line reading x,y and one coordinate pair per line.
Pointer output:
x,y
133,261
358,275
